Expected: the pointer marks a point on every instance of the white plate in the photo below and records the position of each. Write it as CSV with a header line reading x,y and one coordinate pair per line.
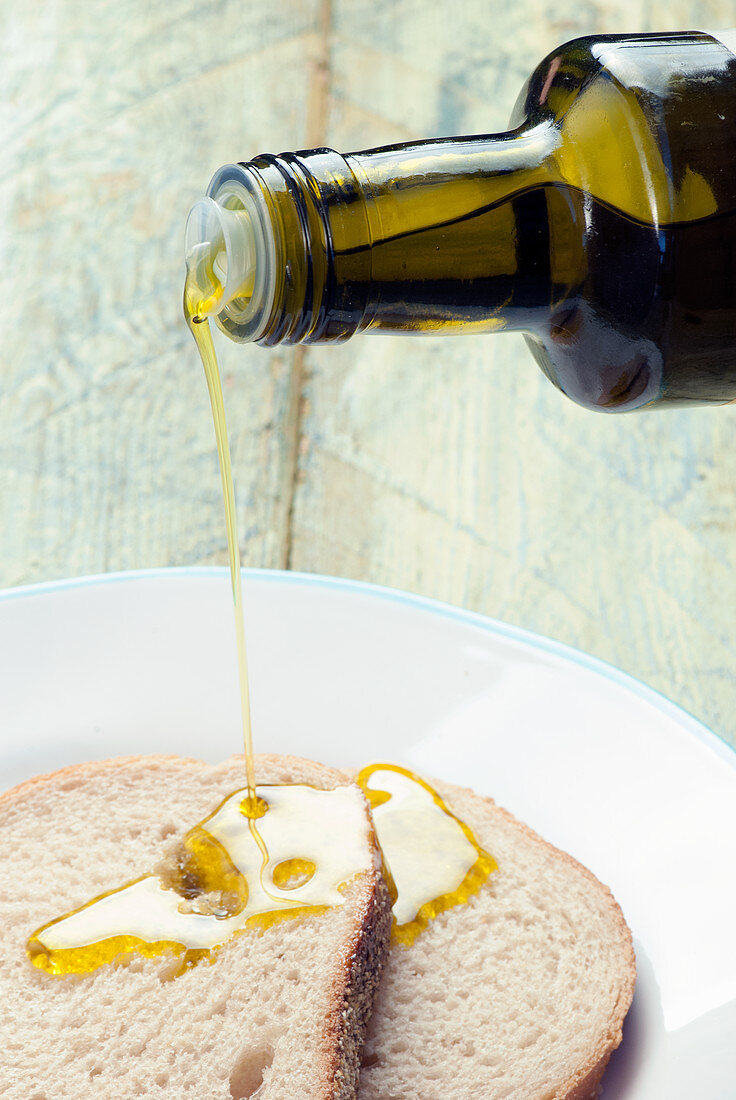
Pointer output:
x,y
345,672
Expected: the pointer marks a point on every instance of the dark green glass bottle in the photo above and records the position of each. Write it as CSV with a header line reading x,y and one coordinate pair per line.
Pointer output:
x,y
602,225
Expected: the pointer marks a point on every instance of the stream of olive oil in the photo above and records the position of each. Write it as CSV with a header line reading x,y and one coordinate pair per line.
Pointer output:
x,y
196,308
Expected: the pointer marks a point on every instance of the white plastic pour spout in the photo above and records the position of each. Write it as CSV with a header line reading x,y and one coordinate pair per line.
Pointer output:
x,y
221,250
231,254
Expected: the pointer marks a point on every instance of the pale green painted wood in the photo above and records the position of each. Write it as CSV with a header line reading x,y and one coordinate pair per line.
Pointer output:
x,y
115,117
447,467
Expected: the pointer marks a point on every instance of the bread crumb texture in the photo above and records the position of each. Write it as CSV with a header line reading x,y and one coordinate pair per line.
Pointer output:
x,y
518,995
266,1018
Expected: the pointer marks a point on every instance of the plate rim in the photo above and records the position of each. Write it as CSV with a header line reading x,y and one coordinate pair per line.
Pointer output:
x,y
508,631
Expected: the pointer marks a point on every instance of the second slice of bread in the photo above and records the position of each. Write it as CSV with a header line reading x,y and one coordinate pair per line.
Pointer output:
x,y
520,994
280,1012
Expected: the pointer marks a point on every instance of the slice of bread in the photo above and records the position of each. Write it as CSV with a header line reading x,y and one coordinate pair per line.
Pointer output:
x,y
278,1013
519,994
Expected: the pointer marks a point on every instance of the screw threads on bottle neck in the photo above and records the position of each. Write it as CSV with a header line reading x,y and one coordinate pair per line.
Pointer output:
x,y
307,208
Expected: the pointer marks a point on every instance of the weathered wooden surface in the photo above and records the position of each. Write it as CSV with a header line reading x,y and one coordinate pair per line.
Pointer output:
x,y
447,467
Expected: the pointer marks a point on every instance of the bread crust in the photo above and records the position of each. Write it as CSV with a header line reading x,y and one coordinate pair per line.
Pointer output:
x,y
587,1088
354,992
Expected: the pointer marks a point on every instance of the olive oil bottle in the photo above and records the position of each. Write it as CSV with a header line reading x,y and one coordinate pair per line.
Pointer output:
x,y
602,225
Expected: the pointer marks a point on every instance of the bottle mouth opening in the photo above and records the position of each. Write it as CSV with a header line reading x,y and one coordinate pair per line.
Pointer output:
x,y
231,255
220,256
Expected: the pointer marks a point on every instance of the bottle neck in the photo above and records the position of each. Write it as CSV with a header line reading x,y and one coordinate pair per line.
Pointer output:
x,y
471,234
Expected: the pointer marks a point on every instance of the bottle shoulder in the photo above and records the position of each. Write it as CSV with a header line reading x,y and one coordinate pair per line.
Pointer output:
x,y
648,63
645,123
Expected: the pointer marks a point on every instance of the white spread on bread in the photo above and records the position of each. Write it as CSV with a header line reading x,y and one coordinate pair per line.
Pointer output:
x,y
229,873
432,857
239,869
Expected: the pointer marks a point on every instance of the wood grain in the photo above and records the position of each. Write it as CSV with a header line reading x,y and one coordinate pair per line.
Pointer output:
x,y
447,467
115,125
